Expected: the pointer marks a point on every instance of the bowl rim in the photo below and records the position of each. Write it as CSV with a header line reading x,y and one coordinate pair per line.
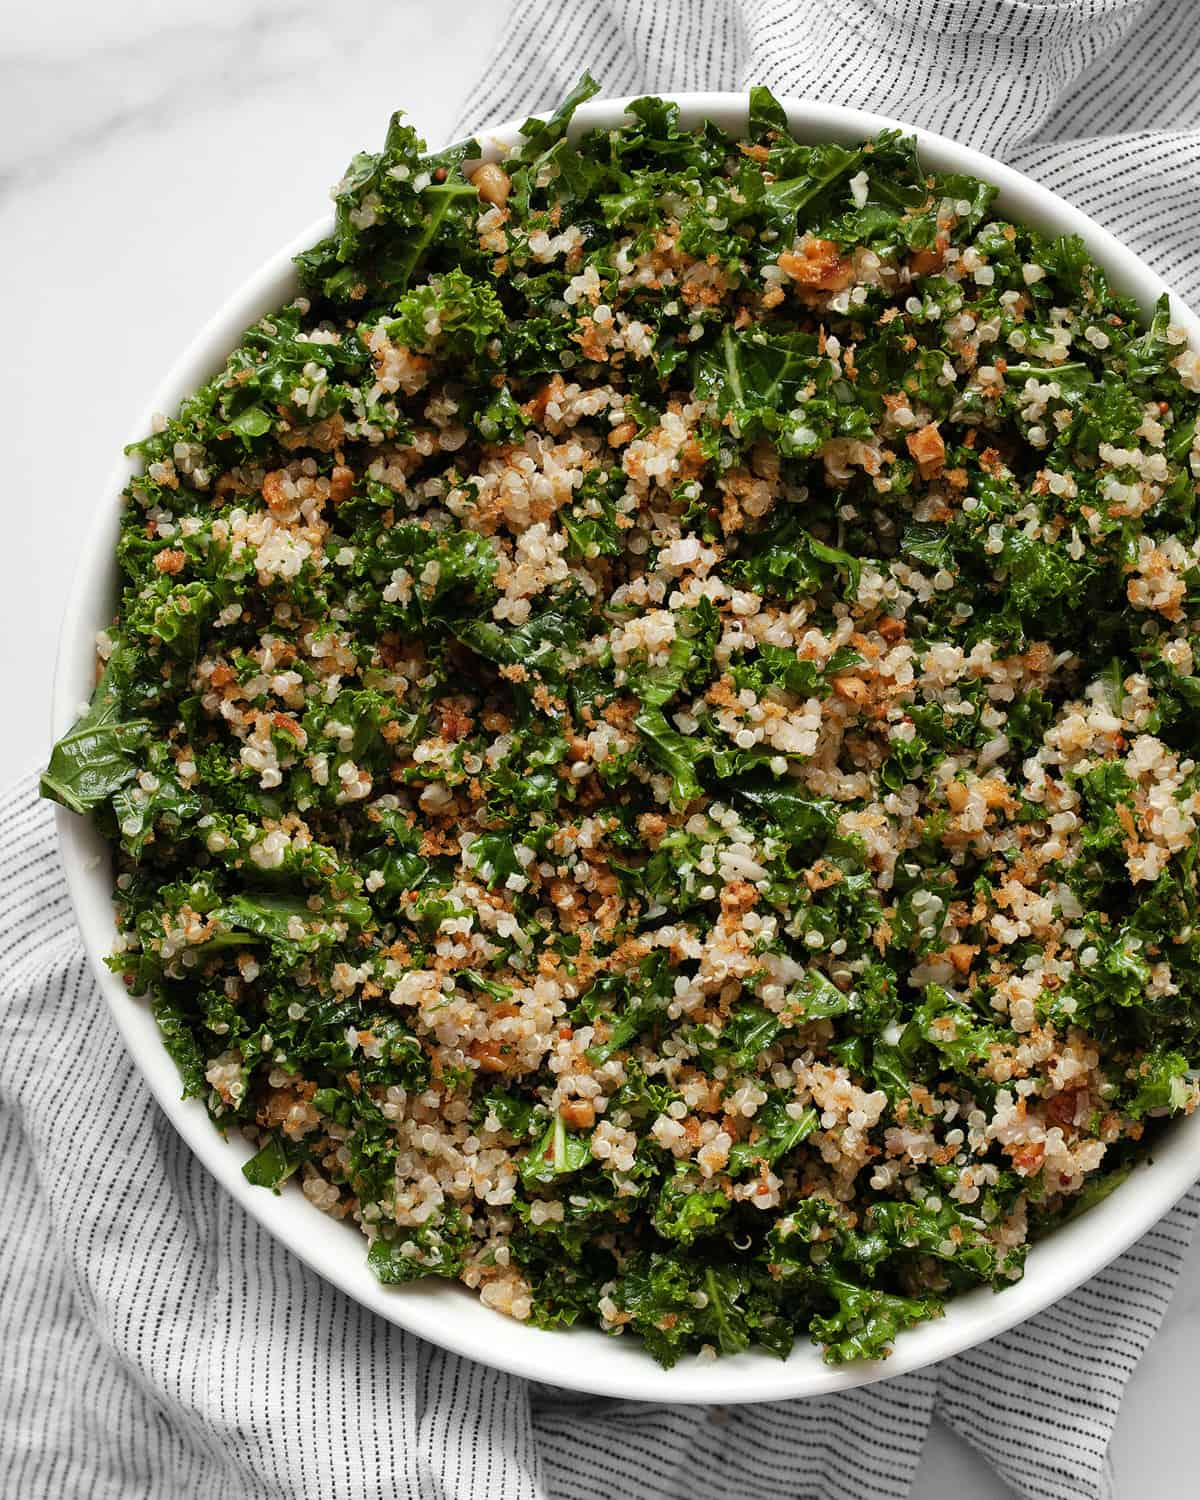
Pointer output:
x,y
449,1315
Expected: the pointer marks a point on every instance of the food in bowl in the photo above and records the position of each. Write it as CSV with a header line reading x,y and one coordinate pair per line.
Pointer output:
x,y
647,732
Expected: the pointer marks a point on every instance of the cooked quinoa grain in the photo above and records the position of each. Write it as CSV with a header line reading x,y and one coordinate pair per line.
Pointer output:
x,y
649,733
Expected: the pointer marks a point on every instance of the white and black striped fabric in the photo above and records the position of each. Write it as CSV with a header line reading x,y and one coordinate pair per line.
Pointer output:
x,y
154,1341
1098,99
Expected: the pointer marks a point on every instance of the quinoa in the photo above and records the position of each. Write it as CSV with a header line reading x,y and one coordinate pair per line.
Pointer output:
x,y
649,735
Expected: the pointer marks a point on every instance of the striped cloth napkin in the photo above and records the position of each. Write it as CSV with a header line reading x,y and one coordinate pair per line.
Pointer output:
x,y
155,1341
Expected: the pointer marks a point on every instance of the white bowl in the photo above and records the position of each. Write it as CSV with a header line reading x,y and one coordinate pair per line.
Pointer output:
x,y
583,1359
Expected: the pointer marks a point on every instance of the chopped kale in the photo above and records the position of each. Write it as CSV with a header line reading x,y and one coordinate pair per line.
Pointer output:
x,y
649,738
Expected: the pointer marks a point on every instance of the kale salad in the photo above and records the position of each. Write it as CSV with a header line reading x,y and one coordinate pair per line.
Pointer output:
x,y
648,733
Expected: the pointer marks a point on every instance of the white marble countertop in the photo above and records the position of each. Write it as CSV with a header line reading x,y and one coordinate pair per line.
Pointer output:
x,y
152,153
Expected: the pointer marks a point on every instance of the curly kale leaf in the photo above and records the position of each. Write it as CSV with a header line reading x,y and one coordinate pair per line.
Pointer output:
x,y
99,754
776,1131
790,563
677,1304
452,316
1160,1083
684,1211
628,1005
787,807
689,658
865,1321
398,1255
675,753
273,1163
177,1028
389,209
558,1153
748,1031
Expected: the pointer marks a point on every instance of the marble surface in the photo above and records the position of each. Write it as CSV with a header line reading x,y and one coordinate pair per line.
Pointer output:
x,y
152,153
